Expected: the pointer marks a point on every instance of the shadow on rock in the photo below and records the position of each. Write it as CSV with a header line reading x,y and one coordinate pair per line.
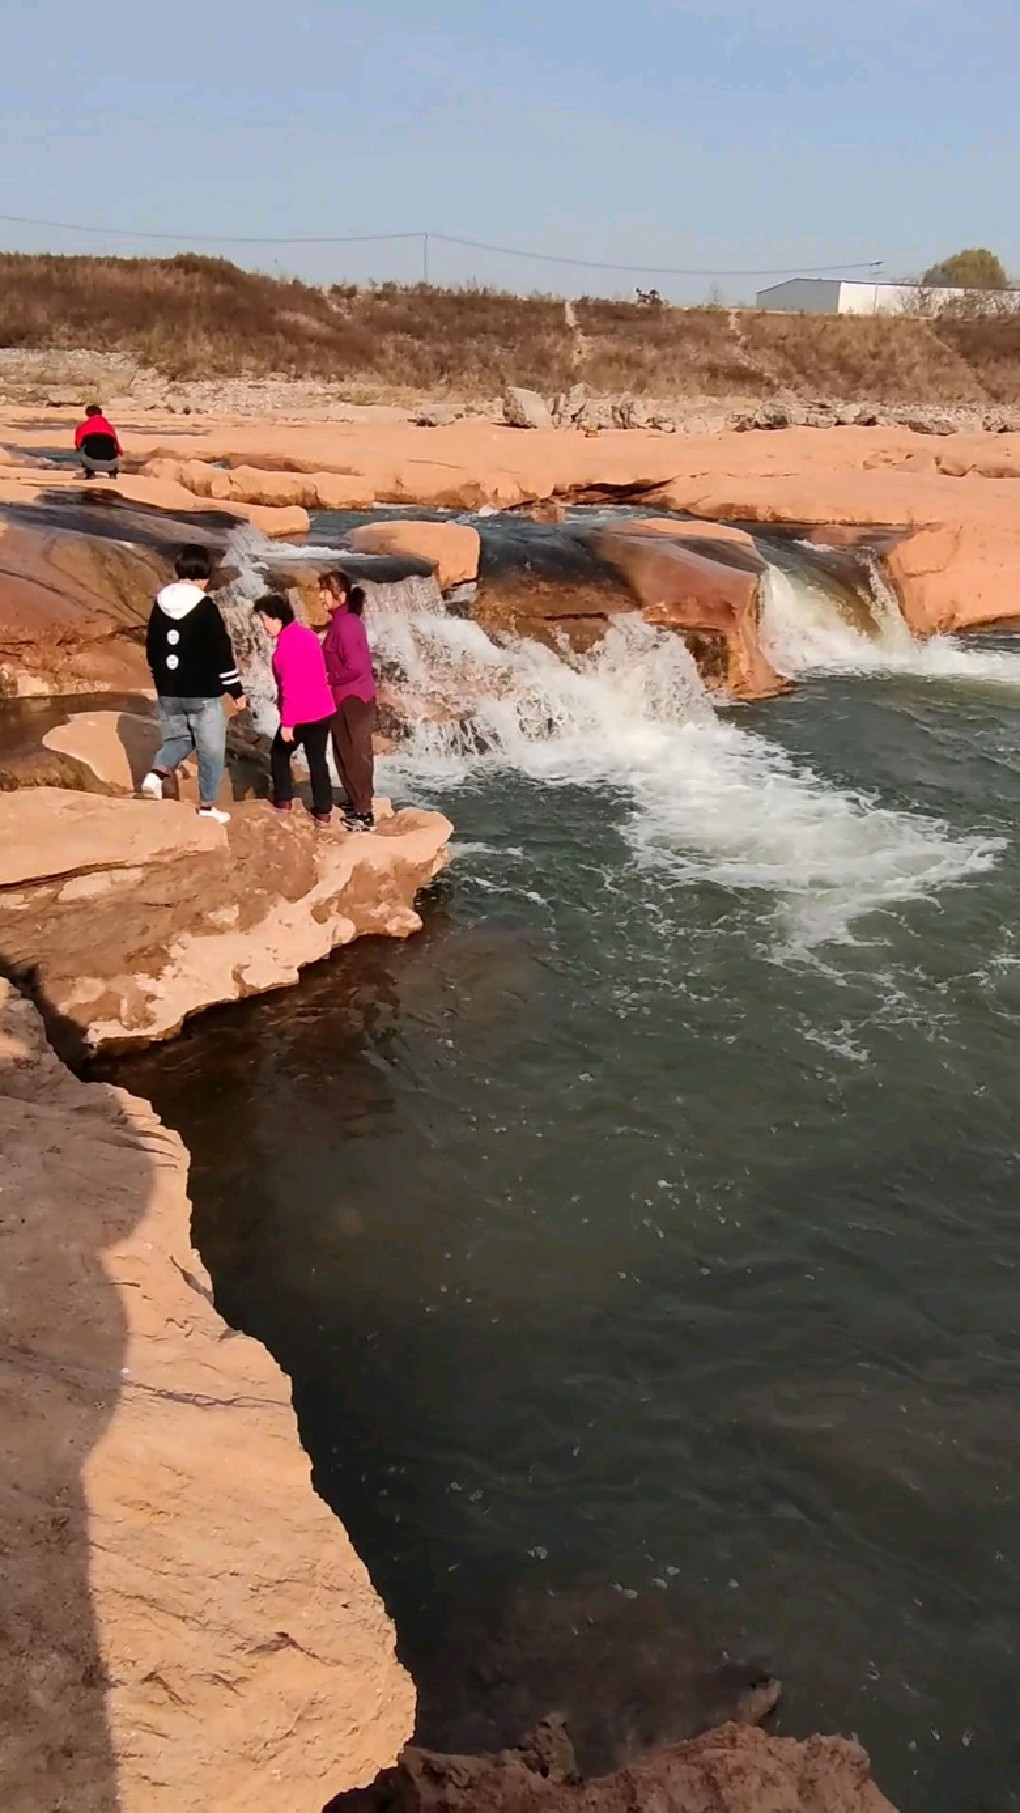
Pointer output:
x,y
75,1179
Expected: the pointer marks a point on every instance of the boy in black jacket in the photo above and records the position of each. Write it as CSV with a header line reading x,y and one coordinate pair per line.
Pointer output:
x,y
188,650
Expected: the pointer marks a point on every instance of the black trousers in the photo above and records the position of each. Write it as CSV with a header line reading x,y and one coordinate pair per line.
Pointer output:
x,y
313,739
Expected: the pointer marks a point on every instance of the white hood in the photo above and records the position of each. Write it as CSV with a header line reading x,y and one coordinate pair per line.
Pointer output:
x,y
179,598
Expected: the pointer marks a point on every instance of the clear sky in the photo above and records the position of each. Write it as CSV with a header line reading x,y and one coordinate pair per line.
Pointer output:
x,y
716,135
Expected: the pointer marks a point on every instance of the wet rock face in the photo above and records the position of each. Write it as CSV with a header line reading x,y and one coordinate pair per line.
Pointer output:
x,y
623,1674
690,589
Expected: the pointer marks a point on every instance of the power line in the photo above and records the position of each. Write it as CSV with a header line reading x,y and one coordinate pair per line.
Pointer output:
x,y
655,270
236,239
451,239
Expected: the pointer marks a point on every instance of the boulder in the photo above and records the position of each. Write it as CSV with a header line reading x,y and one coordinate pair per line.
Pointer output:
x,y
770,414
716,607
722,533
131,915
949,579
595,414
342,491
525,409
631,412
451,549
285,524
206,480
569,407
73,608
280,490
927,421
437,415
117,747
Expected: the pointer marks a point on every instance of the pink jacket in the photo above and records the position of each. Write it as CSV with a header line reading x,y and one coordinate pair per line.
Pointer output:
x,y
348,658
304,695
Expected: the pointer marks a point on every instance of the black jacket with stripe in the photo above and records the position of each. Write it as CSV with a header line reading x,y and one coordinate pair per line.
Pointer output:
x,y
187,646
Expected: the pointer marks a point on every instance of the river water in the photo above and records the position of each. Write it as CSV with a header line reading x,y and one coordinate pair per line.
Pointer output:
x,y
649,1226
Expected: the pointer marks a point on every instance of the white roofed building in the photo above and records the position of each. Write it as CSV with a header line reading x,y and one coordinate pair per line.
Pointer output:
x,y
850,296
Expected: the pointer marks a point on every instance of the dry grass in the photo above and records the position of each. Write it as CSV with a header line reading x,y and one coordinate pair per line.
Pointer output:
x,y
192,317
713,352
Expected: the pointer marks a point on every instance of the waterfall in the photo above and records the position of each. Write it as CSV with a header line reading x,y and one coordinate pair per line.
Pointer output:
x,y
696,795
258,565
815,623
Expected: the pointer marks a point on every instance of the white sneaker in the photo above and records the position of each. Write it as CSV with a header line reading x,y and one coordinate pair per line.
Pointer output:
x,y
152,785
214,812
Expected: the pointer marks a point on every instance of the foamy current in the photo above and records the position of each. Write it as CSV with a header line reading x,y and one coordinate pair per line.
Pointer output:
x,y
805,631
709,800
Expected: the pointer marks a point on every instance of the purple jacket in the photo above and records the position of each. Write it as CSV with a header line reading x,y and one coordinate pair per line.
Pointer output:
x,y
304,695
348,658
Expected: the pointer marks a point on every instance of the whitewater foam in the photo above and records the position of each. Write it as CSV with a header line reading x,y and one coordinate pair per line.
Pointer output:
x,y
711,801
805,630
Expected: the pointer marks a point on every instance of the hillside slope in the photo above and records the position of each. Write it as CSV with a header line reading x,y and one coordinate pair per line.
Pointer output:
x,y
192,317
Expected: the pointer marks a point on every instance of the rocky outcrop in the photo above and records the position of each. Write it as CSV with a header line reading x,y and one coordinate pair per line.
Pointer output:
x,y
185,1623
735,1769
72,611
525,409
714,606
953,579
128,916
451,549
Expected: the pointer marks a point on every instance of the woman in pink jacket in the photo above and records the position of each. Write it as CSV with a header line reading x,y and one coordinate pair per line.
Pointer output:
x,y
306,706
349,667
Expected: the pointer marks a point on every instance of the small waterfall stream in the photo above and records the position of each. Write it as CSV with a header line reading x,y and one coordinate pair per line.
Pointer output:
x,y
827,612
709,798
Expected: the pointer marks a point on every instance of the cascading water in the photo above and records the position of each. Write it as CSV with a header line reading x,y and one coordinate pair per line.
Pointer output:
x,y
813,625
709,801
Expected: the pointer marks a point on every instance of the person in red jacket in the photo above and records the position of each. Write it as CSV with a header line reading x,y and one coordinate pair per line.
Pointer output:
x,y
98,444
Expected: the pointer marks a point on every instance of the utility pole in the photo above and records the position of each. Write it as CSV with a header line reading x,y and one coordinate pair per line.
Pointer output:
x,y
425,256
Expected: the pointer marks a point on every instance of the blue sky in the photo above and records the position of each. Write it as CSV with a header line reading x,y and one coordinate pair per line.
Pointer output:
x,y
715,136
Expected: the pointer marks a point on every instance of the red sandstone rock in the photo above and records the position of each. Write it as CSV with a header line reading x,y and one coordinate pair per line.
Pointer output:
x,y
185,1624
133,915
682,589
72,608
451,549
736,1769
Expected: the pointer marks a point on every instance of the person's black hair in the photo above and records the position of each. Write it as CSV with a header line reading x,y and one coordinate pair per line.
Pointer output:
x,y
336,580
275,605
356,600
93,409
194,562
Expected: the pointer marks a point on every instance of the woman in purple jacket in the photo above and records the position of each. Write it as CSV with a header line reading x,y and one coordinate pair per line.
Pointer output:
x,y
306,706
352,682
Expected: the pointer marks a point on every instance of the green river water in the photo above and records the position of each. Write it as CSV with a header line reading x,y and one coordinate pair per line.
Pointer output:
x,y
651,1222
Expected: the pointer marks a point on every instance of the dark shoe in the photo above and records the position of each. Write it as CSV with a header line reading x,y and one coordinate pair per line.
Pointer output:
x,y
359,821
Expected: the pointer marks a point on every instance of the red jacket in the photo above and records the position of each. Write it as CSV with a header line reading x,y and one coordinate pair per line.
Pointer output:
x,y
95,424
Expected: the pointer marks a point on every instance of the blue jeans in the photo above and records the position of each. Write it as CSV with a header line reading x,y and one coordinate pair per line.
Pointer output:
x,y
197,724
